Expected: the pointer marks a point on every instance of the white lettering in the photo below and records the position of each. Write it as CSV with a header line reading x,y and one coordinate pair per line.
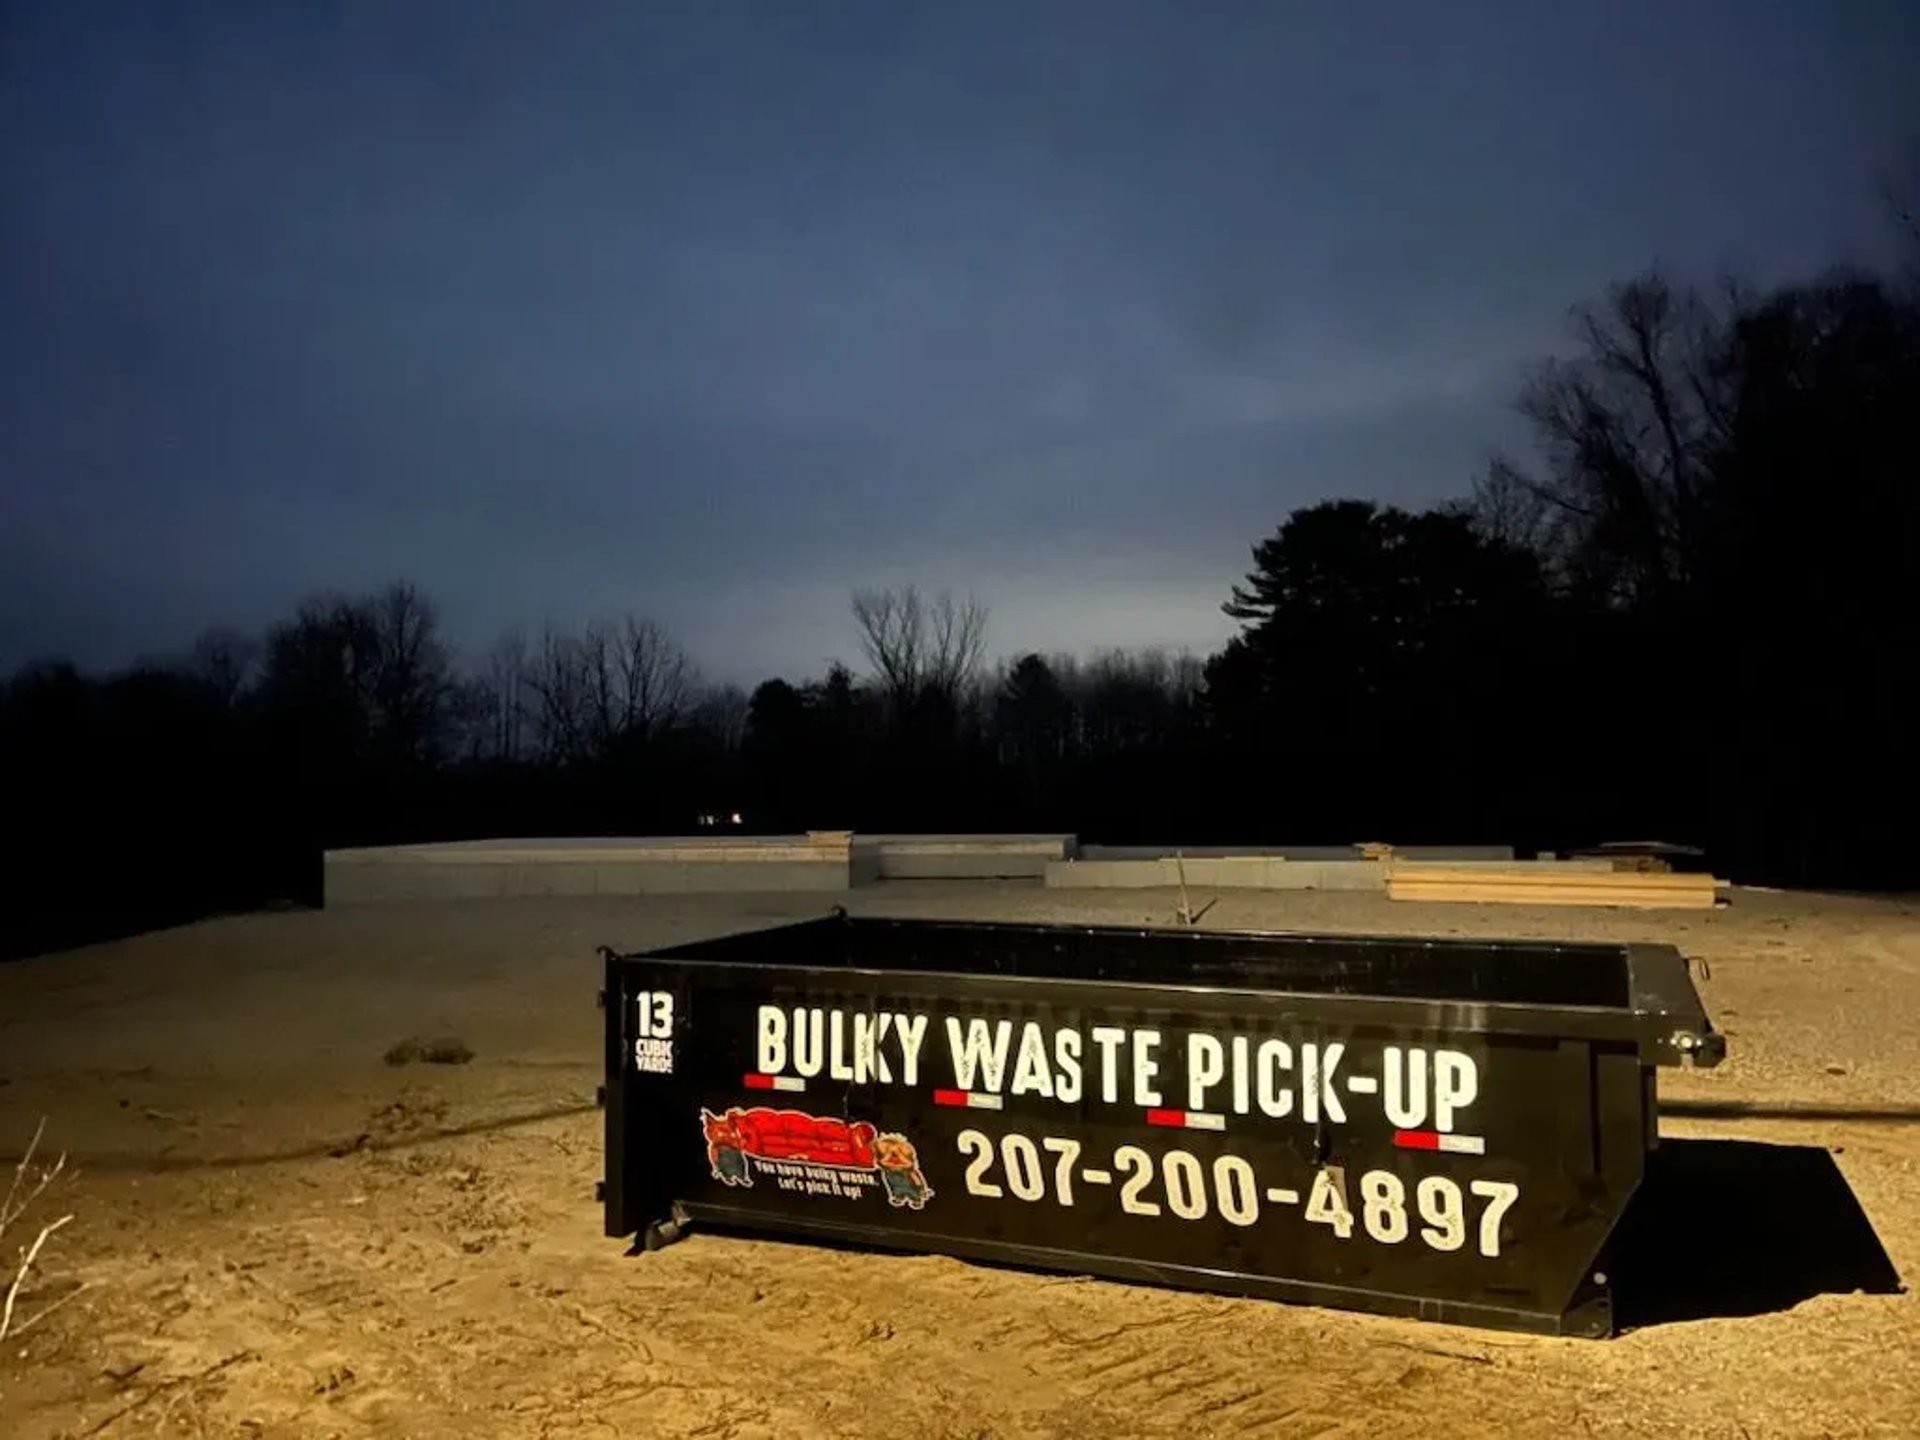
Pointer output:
x,y
1030,1072
1145,1067
1108,1038
1406,1097
866,1044
809,1041
1276,1099
1317,1065
980,1051
837,1066
911,1031
1206,1065
1066,1055
1456,1084
772,1054
1184,1186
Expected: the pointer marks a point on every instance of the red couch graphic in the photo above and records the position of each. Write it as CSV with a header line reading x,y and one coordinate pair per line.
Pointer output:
x,y
802,1139
787,1135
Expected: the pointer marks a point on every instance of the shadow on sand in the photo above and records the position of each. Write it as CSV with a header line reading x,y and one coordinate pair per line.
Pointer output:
x,y
1736,1227
1776,1110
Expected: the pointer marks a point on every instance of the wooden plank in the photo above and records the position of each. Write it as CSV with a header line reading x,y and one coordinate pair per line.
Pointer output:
x,y
1532,887
1621,900
1547,877
1602,881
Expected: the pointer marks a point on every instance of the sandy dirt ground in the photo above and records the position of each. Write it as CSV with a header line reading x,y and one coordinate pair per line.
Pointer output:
x,y
278,1234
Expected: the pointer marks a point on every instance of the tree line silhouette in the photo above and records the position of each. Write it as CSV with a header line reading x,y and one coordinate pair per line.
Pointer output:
x,y
1688,614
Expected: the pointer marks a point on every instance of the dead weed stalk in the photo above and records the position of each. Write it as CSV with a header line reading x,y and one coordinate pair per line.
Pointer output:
x,y
30,1182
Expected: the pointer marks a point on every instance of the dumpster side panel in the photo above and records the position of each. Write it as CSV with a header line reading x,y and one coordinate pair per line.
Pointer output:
x,y
1253,1143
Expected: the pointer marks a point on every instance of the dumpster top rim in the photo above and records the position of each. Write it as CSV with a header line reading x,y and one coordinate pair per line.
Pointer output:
x,y
1509,943
1619,991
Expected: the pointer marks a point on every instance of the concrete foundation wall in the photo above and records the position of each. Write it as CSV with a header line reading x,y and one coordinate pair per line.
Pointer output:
x,y
825,861
500,868
1236,872
1220,852
1456,854
368,884
1258,872
1502,854
962,857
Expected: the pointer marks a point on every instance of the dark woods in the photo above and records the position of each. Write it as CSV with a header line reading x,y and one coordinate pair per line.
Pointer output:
x,y
1690,614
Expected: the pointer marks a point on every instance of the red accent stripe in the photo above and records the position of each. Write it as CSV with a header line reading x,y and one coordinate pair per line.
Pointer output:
x,y
1175,1118
950,1097
759,1082
1417,1139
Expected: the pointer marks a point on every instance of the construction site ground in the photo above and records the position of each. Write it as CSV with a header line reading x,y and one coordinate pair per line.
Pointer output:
x,y
276,1233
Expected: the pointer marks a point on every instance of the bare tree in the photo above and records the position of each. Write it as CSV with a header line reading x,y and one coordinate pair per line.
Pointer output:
x,y
375,668
224,661
892,631
656,679
721,712
918,647
611,684
555,678
508,671
498,703
411,674
319,670
1118,699
1508,509
1628,430
596,662
957,634
1900,194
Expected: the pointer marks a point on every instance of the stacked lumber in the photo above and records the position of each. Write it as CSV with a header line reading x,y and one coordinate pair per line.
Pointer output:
x,y
1551,886
1642,864
1648,855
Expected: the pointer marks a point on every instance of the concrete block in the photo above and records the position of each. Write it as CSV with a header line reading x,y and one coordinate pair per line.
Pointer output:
x,y
1234,872
1109,874
491,868
1213,852
965,857
1476,853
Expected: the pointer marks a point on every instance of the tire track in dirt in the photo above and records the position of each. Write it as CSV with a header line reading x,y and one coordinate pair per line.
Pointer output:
x,y
1199,1365
1188,1390
1176,1372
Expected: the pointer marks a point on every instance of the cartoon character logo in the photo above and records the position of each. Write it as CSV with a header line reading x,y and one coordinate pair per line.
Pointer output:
x,y
899,1167
726,1147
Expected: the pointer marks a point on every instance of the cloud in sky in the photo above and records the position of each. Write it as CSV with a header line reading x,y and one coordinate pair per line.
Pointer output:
x,y
714,312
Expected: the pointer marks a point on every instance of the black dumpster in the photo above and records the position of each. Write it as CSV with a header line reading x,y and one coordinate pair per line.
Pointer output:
x,y
1449,1129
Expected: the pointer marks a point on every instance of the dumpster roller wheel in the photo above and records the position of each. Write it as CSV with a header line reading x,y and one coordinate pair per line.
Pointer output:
x,y
662,1233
